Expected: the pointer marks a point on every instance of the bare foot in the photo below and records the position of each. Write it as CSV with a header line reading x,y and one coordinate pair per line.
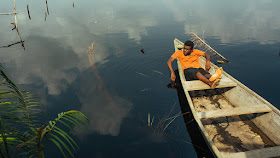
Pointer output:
x,y
216,75
213,84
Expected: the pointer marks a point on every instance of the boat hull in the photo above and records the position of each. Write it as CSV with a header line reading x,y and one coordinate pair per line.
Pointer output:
x,y
233,119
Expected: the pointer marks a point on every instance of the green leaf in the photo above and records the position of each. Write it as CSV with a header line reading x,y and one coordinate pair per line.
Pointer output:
x,y
58,145
50,122
67,135
72,120
42,154
80,116
68,127
65,146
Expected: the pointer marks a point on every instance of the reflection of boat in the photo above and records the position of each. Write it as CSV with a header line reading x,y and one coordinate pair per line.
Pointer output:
x,y
234,120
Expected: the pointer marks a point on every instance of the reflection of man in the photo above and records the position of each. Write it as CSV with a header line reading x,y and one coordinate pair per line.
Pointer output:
x,y
189,59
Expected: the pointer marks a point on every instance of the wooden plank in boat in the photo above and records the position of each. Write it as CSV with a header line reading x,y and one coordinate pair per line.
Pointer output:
x,y
258,153
199,85
234,111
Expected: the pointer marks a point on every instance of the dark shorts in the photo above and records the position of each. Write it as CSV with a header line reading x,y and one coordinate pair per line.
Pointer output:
x,y
190,73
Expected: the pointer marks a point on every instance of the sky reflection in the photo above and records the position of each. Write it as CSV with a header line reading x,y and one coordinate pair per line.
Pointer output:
x,y
55,63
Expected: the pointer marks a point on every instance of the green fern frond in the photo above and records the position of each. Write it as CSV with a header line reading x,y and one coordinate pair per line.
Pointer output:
x,y
66,119
19,116
58,145
63,144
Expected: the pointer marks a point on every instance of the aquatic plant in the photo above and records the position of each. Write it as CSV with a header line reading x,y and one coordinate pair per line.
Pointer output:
x,y
163,122
22,132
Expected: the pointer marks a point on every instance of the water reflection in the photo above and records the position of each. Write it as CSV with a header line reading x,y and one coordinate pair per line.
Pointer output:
x,y
106,116
105,110
230,21
113,92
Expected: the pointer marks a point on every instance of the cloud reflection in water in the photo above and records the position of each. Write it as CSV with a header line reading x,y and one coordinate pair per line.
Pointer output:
x,y
104,109
230,21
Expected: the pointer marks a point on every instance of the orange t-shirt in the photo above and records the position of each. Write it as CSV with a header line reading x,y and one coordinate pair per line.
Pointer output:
x,y
189,61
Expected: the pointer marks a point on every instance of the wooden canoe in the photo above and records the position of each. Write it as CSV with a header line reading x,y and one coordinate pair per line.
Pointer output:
x,y
234,121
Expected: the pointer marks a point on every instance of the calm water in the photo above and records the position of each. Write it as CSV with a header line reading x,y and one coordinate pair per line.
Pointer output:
x,y
123,85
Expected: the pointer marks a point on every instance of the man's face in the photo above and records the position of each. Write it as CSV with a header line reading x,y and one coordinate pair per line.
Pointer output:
x,y
187,50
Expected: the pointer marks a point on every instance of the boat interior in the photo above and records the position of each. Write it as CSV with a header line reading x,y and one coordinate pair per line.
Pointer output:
x,y
237,120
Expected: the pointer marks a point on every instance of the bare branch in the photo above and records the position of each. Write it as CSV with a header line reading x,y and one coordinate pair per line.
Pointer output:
x,y
8,13
28,12
47,7
11,44
16,26
45,14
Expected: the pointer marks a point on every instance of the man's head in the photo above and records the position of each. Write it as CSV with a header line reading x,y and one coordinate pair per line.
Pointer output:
x,y
188,47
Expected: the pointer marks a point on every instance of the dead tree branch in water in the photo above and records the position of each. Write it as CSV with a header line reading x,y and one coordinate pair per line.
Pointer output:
x,y
45,14
11,44
16,26
47,7
28,12
8,13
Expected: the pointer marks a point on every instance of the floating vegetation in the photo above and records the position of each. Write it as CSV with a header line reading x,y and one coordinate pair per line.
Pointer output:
x,y
142,50
147,89
142,74
149,120
164,122
159,72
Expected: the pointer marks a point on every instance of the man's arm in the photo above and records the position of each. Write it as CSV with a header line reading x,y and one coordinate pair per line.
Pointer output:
x,y
207,65
169,64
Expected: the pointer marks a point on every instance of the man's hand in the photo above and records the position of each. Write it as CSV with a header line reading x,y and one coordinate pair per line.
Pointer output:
x,y
207,66
173,76
169,63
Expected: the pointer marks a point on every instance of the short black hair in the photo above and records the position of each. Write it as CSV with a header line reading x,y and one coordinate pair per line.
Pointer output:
x,y
189,43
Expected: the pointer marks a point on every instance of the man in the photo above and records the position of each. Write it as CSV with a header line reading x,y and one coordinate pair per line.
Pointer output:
x,y
189,59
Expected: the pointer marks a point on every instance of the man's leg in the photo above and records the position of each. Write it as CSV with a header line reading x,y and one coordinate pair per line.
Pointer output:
x,y
203,78
207,76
